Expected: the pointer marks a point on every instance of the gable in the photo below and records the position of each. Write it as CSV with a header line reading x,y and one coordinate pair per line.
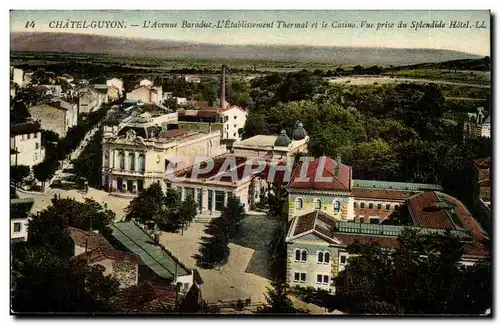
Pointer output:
x,y
314,238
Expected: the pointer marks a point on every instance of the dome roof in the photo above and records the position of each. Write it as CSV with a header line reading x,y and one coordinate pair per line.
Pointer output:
x,y
299,133
282,140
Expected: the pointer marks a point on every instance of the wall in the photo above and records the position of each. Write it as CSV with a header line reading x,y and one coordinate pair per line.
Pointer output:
x,y
23,233
26,145
327,199
236,120
50,118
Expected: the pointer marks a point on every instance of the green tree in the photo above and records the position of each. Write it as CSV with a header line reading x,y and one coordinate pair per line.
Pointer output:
x,y
18,173
214,248
277,300
44,171
423,275
234,213
187,211
148,205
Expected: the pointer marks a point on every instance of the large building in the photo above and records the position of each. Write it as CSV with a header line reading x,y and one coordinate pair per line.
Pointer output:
x,y
478,124
26,144
147,94
326,216
55,115
137,153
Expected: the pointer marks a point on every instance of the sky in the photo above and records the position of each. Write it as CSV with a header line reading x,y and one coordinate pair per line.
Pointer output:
x,y
471,40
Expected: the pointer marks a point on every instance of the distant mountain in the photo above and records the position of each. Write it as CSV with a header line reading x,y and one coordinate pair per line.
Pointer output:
x,y
85,43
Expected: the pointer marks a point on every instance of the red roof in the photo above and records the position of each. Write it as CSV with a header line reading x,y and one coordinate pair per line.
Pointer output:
x,y
381,194
103,253
90,239
425,213
172,133
341,182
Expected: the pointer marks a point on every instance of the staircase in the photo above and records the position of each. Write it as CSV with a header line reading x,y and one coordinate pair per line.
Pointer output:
x,y
203,218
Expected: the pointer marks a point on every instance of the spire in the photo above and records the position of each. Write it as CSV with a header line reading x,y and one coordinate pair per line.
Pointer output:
x,y
222,104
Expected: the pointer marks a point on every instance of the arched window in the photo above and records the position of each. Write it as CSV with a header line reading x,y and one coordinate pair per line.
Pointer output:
x,y
298,203
304,255
320,257
370,205
355,204
327,257
131,158
362,205
142,162
336,206
121,156
317,204
297,255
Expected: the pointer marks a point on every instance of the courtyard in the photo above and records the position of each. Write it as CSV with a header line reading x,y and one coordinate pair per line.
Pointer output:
x,y
245,275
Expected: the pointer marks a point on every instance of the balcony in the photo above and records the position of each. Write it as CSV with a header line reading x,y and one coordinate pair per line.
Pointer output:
x,y
126,172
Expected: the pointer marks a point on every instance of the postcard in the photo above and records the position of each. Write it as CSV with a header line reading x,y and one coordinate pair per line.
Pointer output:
x,y
250,162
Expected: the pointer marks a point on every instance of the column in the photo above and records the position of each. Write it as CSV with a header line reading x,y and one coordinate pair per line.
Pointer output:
x,y
204,199
135,186
183,194
213,200
225,198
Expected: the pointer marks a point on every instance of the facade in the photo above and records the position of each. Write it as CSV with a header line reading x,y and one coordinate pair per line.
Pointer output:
x,y
56,115
87,101
136,154
26,141
19,211
478,125
18,77
117,84
147,94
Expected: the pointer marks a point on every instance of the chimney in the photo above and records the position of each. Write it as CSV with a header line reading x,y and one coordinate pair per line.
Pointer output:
x,y
338,161
223,89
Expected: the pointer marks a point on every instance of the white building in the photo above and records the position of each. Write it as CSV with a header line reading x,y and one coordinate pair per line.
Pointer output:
x,y
56,115
117,83
18,77
236,119
146,83
19,211
147,94
26,144
478,125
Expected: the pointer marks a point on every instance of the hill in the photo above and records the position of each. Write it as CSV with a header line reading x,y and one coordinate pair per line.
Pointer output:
x,y
165,49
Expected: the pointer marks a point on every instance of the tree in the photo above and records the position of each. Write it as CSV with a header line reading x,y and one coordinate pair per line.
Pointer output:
x,y
214,250
42,282
187,211
44,171
423,275
277,300
18,173
148,205
19,112
234,213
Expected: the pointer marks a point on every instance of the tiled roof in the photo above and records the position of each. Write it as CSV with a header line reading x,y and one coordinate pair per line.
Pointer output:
x,y
24,128
401,186
381,194
425,213
305,223
90,239
384,242
340,182
482,162
103,253
172,133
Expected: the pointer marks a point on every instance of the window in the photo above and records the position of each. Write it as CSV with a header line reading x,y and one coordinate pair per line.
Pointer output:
x,y
361,220
317,204
296,276
299,203
234,134
336,206
304,256
322,279
343,259
35,135
355,204
370,205
302,277
37,146
142,162
29,135
297,255
219,200
388,206
235,117
210,199
131,157
235,125
327,257
121,156
362,205
379,206
326,279
374,220
188,192
320,257
17,227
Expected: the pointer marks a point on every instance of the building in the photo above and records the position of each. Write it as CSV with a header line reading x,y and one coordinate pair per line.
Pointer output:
x,y
26,144
117,85
146,83
478,124
147,94
87,100
161,266
481,182
66,77
56,115
54,90
328,210
102,93
228,119
280,146
342,197
18,77
93,249
136,153
19,211
192,79
113,93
